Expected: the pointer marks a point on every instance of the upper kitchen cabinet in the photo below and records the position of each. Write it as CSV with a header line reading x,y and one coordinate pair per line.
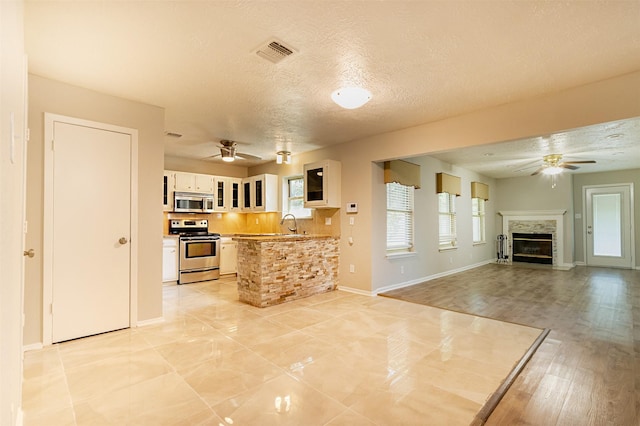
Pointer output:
x,y
260,193
221,185
167,194
234,194
193,182
228,192
322,184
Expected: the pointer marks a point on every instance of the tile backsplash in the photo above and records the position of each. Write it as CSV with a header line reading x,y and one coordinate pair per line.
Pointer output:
x,y
262,223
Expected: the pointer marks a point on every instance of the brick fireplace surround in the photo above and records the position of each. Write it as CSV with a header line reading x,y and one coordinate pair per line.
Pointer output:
x,y
537,222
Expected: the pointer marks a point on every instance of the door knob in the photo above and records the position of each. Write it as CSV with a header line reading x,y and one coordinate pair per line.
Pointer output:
x,y
123,240
29,253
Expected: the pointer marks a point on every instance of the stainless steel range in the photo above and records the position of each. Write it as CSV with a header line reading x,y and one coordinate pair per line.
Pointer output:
x,y
199,250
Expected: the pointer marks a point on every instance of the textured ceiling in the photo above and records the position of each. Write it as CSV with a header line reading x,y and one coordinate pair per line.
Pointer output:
x,y
422,61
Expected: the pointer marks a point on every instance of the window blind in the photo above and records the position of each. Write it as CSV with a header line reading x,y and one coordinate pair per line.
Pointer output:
x,y
399,217
447,220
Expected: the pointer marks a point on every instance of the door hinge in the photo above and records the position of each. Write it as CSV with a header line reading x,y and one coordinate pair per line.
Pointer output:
x,y
51,308
52,144
28,134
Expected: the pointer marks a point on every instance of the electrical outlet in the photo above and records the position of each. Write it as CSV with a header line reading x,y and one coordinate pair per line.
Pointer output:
x,y
352,220
257,222
402,269
327,221
352,268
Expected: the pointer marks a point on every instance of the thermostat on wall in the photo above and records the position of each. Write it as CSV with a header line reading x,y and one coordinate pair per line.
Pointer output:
x,y
352,207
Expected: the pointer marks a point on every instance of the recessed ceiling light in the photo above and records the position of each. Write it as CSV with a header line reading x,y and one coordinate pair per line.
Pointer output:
x,y
351,97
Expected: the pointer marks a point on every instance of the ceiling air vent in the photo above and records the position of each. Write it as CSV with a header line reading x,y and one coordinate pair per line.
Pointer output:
x,y
274,51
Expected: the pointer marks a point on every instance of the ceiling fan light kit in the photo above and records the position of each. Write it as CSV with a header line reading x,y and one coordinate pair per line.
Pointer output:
x,y
351,97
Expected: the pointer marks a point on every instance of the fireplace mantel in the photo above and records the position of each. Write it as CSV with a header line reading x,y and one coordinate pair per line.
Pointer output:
x,y
532,213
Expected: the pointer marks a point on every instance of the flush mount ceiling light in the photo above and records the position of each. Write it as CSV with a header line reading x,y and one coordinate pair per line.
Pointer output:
x,y
351,97
283,157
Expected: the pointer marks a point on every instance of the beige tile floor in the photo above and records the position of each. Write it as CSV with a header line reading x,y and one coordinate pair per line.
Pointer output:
x,y
331,359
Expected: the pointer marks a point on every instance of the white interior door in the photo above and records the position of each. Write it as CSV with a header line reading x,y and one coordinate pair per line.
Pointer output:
x,y
609,233
91,230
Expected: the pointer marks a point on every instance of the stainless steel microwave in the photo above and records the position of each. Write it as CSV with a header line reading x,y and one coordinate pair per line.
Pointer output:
x,y
188,202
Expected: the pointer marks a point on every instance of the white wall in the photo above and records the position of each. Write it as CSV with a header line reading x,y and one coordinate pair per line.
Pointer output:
x,y
12,142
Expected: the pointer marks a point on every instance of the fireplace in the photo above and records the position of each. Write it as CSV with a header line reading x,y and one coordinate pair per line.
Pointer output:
x,y
537,225
532,248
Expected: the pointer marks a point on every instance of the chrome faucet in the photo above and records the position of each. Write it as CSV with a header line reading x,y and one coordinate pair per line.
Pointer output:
x,y
295,223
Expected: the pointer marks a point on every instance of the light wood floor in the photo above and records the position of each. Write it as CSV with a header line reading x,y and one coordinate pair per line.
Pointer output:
x,y
587,371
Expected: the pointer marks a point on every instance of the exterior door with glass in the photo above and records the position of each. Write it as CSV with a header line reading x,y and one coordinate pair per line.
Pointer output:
x,y
608,226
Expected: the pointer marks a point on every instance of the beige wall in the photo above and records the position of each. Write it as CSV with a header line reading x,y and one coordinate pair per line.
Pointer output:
x,y
12,142
535,193
607,100
204,167
606,178
59,98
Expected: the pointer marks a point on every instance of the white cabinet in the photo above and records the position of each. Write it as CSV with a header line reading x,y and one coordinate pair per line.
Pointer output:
x,y
194,182
221,198
260,193
228,194
228,256
167,195
322,183
169,259
234,194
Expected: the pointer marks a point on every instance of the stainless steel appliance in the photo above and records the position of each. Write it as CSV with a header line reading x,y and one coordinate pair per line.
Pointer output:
x,y
199,250
189,202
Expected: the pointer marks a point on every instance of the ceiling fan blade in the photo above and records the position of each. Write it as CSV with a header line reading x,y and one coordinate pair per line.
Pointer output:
x,y
244,156
538,171
579,162
568,166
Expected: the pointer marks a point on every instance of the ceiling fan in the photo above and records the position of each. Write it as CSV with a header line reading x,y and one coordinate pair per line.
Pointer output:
x,y
229,153
553,165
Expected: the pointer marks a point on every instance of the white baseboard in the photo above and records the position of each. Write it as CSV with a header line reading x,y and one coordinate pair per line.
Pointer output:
x,y
151,321
432,277
32,347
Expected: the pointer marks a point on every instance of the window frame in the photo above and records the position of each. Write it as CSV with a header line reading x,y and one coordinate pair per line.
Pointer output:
x,y
287,199
406,242
480,214
449,240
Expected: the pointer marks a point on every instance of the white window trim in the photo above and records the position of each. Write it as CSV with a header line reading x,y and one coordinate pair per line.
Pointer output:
x,y
286,199
397,252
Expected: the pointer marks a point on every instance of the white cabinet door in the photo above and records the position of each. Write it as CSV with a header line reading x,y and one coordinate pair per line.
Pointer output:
x,y
221,186
170,259
322,183
234,195
229,258
185,182
204,183
169,184
262,193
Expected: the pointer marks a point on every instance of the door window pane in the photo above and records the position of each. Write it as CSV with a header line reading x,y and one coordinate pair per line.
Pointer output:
x,y
607,231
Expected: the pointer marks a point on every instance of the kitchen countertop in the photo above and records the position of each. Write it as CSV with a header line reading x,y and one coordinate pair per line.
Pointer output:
x,y
279,237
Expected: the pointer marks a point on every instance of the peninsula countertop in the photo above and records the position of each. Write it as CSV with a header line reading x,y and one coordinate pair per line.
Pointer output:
x,y
278,237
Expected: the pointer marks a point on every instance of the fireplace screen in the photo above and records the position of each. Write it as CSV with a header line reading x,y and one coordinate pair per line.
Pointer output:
x,y
533,248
